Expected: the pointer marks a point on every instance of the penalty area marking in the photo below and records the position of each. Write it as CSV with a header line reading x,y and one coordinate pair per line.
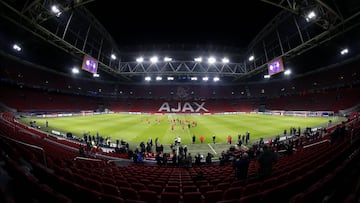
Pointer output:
x,y
212,148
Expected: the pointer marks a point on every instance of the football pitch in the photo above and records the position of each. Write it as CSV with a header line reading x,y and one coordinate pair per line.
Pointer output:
x,y
137,128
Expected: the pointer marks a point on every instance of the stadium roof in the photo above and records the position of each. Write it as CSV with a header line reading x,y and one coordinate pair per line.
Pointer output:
x,y
182,30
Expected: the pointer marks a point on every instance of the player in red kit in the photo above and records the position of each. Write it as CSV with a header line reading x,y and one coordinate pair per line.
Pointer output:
x,y
201,139
229,139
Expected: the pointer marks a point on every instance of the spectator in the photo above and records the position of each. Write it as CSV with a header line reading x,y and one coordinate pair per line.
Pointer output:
x,y
174,159
158,159
266,161
139,157
198,159
81,151
241,165
185,150
189,160
208,158
165,159
247,137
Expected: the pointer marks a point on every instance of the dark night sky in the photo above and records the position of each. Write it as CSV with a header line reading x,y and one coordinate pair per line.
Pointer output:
x,y
228,23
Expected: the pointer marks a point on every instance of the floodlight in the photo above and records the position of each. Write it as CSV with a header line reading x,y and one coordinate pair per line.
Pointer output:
x,y
311,15
96,75
287,72
205,78
167,59
216,79
55,10
113,56
75,70
170,78
148,78
266,76
140,59
16,47
344,51
158,78
198,59
225,60
154,59
211,60
193,78
251,58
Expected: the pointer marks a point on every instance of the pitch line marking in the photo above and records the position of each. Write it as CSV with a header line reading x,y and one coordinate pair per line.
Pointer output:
x,y
212,148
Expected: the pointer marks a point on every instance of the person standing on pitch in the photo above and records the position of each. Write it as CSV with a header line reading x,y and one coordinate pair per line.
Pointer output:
x,y
229,139
201,139
247,137
214,137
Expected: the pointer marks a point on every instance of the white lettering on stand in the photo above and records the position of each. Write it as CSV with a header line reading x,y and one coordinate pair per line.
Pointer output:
x,y
183,108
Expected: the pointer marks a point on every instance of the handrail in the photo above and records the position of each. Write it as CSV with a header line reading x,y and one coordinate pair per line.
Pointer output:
x,y
85,158
29,145
316,143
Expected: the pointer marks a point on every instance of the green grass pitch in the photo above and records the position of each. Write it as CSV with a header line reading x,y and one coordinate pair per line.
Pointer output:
x,y
136,128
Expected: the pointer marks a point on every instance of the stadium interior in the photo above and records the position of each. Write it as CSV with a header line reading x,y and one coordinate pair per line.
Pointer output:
x,y
61,58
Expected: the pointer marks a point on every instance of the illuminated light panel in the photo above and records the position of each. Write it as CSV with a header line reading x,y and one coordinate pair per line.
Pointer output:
x,y
140,59
75,70
167,59
211,60
225,60
154,59
16,47
344,51
198,59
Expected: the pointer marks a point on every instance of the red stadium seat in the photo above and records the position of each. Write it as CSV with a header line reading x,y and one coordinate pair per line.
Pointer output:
x,y
110,189
138,186
205,188
156,188
128,193
172,189
191,197
189,189
213,196
233,193
170,197
148,196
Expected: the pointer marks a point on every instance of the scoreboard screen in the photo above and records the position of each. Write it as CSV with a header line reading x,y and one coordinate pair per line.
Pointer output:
x,y
275,66
89,64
